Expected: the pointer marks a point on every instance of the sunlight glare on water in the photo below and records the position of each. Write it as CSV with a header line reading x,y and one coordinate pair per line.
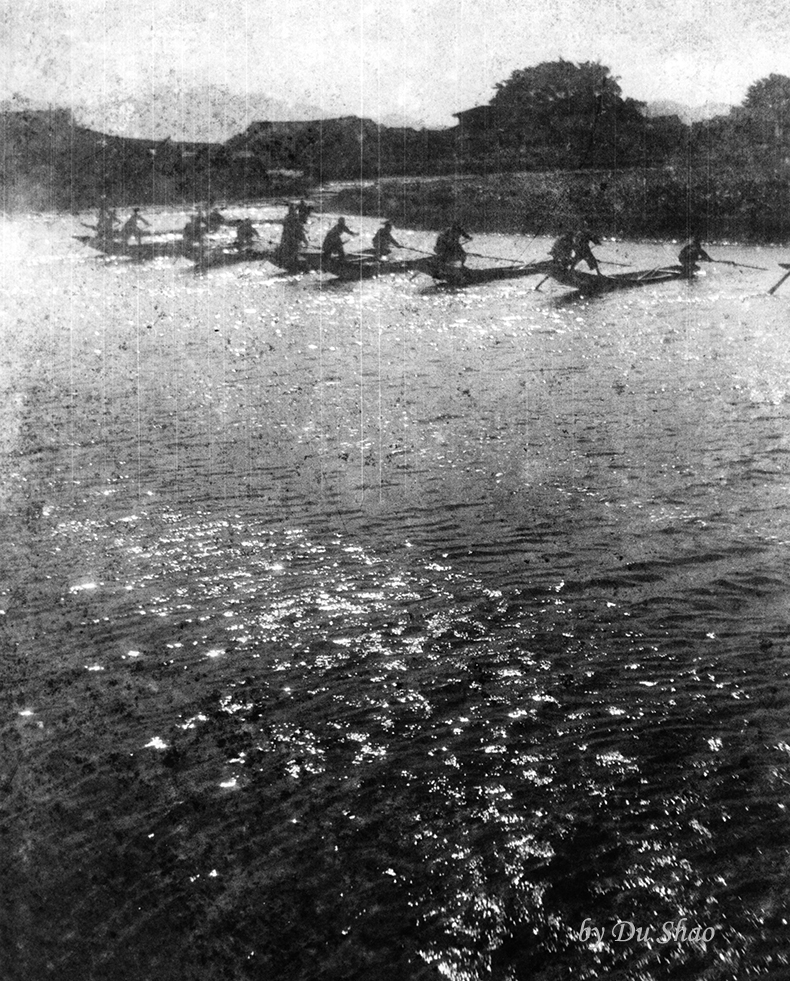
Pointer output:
x,y
459,617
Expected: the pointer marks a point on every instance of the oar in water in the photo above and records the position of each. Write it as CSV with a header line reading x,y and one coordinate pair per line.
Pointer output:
x,y
776,286
741,265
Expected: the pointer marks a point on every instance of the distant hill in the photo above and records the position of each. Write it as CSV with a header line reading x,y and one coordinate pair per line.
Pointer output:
x,y
688,114
200,114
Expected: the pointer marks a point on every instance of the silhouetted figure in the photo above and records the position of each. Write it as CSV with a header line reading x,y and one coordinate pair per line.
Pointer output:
x,y
449,246
246,235
690,255
333,241
293,238
562,250
582,251
384,242
106,220
215,220
195,229
571,248
131,226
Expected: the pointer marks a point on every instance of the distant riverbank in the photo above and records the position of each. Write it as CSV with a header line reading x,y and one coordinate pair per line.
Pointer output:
x,y
655,204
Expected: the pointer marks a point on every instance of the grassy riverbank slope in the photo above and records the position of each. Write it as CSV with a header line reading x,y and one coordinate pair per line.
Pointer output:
x,y
659,203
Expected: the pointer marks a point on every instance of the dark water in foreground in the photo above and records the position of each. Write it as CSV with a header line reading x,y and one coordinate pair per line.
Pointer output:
x,y
379,631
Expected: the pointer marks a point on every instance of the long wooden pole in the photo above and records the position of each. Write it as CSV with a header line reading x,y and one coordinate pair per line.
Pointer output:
x,y
741,265
776,286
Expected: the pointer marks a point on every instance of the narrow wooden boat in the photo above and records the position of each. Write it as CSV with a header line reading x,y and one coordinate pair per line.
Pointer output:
x,y
591,283
222,256
454,274
355,265
366,265
149,249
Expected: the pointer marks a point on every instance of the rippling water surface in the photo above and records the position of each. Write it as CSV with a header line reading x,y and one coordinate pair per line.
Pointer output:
x,y
385,631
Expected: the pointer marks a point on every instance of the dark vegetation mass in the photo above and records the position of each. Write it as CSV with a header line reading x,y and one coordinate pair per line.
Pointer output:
x,y
558,143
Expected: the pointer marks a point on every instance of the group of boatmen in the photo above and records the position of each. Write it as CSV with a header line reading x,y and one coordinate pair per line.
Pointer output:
x,y
107,223
571,248
567,252
294,237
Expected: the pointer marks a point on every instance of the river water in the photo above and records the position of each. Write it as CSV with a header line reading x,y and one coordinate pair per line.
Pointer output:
x,y
382,630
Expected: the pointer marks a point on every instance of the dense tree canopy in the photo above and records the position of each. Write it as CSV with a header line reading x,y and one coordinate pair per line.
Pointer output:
x,y
755,134
558,87
767,106
576,112
769,97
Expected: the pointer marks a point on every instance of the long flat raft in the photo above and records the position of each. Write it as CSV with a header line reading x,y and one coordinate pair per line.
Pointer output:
x,y
592,284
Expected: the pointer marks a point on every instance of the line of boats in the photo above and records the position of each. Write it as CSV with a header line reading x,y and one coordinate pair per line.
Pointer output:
x,y
212,251
365,264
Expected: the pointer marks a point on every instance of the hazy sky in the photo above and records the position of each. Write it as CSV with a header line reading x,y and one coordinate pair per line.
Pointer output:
x,y
423,59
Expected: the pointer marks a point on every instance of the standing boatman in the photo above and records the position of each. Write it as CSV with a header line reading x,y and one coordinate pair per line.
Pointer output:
x,y
106,220
303,210
333,242
448,246
293,238
384,242
195,229
562,251
582,250
132,226
690,255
